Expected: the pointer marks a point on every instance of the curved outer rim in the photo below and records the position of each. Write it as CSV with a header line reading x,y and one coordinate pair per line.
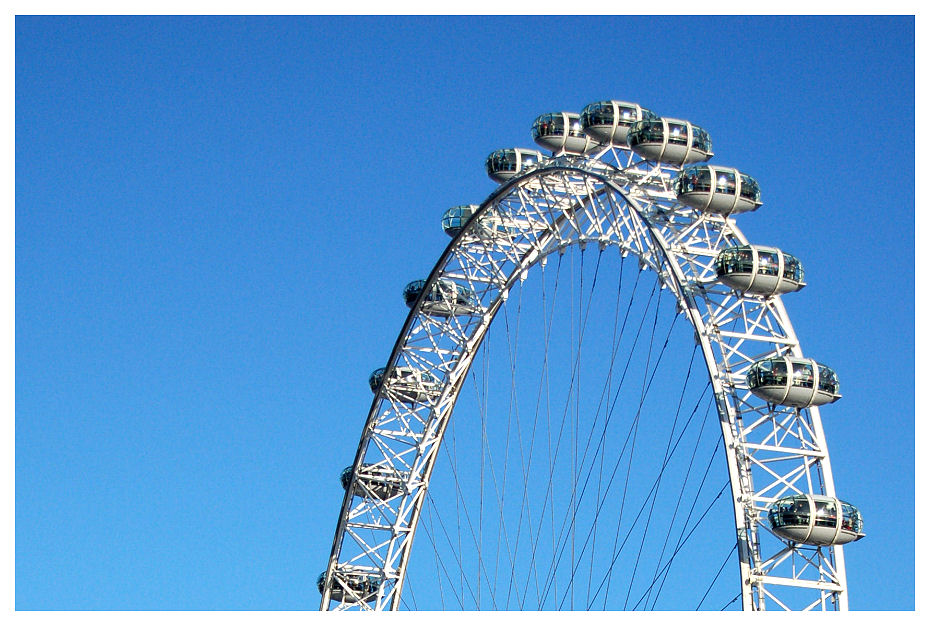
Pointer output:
x,y
726,386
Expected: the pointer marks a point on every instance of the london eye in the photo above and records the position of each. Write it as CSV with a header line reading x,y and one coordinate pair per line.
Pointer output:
x,y
570,464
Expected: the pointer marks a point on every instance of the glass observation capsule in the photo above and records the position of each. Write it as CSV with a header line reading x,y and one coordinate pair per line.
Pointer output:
x,y
816,520
490,224
350,586
455,218
677,142
609,121
446,298
406,384
562,132
384,483
793,382
502,165
759,271
718,190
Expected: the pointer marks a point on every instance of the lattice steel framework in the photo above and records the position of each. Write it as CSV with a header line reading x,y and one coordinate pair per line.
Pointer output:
x,y
610,198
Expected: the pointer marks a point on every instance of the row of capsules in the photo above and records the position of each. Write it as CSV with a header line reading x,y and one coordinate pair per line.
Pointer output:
x,y
809,519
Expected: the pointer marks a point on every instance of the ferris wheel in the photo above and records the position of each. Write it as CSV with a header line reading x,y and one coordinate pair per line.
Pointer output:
x,y
612,187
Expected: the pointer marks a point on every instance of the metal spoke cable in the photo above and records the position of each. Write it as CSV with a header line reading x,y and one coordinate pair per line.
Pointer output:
x,y
716,576
647,384
593,525
626,368
665,461
681,539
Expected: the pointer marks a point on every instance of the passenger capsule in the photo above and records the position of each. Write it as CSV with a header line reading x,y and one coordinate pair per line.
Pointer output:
x,y
718,190
562,132
350,587
384,483
609,121
502,165
816,520
759,271
491,224
793,382
454,219
675,142
446,298
406,384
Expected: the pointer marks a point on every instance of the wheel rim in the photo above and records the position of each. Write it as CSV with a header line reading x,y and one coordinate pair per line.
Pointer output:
x,y
610,199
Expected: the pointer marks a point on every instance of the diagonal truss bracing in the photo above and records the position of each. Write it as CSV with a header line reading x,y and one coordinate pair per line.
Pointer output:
x,y
566,201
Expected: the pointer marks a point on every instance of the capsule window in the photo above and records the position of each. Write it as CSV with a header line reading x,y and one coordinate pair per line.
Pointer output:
x,y
826,514
504,162
648,132
803,375
828,381
700,139
678,134
627,115
852,518
793,269
768,263
795,512
772,373
575,129
749,188
703,180
599,114
726,182
549,125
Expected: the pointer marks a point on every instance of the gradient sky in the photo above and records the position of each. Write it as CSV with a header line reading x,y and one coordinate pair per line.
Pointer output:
x,y
215,218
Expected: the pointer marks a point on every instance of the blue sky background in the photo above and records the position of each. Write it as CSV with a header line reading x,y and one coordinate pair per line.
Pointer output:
x,y
215,218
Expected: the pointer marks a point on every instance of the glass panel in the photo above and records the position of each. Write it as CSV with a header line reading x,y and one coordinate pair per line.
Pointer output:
x,y
803,375
528,159
627,115
828,380
852,519
826,514
503,161
771,372
768,263
598,114
548,125
749,188
793,269
574,126
795,512
678,134
647,132
726,182
700,139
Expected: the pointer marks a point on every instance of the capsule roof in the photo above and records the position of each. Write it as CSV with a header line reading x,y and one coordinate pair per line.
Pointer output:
x,y
677,142
609,121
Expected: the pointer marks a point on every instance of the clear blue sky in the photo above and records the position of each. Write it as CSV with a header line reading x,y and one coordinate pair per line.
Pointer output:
x,y
215,218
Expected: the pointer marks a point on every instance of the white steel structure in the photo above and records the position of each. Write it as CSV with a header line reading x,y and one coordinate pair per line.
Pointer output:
x,y
604,196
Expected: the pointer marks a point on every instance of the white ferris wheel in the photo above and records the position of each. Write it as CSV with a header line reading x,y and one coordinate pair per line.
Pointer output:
x,y
582,469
